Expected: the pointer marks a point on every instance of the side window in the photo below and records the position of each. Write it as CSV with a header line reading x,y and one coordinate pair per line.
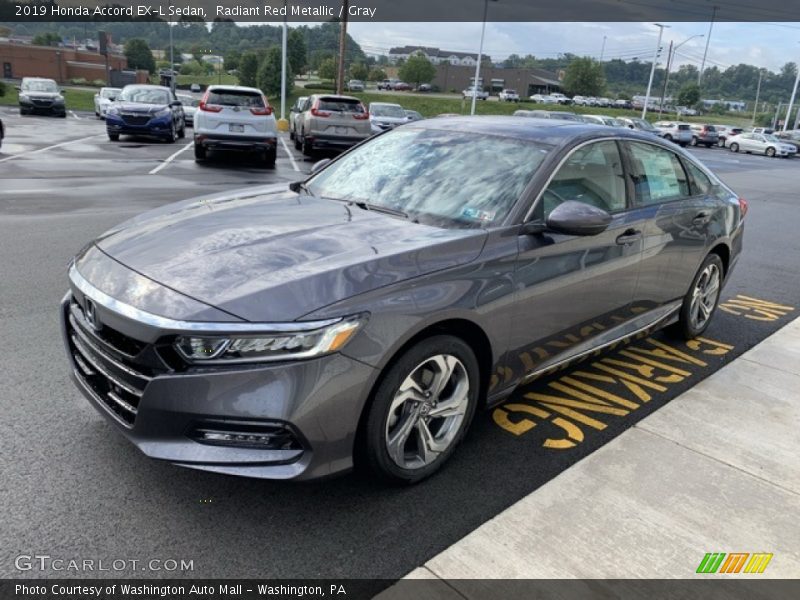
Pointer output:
x,y
657,174
592,174
701,184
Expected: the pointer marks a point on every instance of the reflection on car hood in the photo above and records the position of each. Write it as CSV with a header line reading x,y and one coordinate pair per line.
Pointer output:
x,y
138,107
277,255
43,95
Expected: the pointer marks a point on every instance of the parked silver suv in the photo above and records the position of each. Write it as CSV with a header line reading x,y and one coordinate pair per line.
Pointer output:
x,y
231,117
330,121
675,131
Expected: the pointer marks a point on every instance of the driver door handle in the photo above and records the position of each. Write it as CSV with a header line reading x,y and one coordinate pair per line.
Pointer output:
x,y
701,218
629,237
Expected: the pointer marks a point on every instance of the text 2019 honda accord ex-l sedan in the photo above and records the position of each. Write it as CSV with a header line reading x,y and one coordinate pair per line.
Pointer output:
x,y
365,314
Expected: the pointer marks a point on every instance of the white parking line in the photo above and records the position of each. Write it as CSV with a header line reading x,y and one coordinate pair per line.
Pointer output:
x,y
170,158
291,156
72,112
46,148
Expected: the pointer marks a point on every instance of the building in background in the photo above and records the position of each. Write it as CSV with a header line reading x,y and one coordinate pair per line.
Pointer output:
x,y
451,78
64,64
436,56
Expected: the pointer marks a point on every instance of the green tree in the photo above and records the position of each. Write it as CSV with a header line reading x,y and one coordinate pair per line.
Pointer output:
x,y
46,39
248,69
584,76
377,74
232,60
359,71
139,55
689,94
269,73
297,50
327,69
417,69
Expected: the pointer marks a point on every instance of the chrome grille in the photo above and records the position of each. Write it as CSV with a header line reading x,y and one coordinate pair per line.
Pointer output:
x,y
112,375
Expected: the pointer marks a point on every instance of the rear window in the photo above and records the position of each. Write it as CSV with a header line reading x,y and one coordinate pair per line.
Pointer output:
x,y
710,128
235,98
683,127
341,105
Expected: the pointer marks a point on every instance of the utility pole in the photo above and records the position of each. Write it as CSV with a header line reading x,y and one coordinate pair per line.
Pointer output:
x,y
758,93
653,67
283,64
708,41
480,58
342,47
603,49
172,76
666,80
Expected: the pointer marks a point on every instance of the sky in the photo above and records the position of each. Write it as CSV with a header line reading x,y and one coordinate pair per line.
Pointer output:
x,y
767,45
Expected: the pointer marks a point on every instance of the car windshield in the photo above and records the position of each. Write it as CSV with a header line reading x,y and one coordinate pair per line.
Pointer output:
x,y
109,93
771,138
643,125
387,110
40,86
442,178
235,98
710,128
144,95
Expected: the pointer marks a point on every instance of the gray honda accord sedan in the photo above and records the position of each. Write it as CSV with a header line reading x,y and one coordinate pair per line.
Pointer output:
x,y
364,315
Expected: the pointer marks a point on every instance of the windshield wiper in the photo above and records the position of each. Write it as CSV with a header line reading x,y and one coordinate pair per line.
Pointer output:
x,y
378,208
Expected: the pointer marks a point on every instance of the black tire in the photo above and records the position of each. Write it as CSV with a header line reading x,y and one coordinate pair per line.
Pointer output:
x,y
306,146
668,137
721,142
297,144
770,151
709,145
114,137
291,134
173,135
182,131
372,452
685,326
734,147
270,156
694,140
684,144
199,152
22,112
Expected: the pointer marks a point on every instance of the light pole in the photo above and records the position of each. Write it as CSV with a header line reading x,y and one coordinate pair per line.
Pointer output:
x,y
791,100
171,55
603,48
283,66
653,67
480,57
672,51
758,93
708,40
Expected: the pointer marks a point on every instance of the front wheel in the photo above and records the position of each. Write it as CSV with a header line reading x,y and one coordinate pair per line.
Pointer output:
x,y
770,152
114,137
421,410
694,141
701,300
734,147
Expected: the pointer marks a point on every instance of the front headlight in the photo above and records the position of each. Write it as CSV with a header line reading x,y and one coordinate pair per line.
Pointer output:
x,y
59,100
164,112
268,347
24,97
112,110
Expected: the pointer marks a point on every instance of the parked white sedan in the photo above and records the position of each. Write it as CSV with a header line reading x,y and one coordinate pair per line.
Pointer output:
x,y
761,143
103,99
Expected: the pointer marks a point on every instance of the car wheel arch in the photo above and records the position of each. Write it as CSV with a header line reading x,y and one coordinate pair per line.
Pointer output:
x,y
724,252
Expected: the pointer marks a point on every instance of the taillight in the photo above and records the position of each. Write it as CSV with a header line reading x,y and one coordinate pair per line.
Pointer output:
x,y
361,116
320,113
263,111
210,107
743,206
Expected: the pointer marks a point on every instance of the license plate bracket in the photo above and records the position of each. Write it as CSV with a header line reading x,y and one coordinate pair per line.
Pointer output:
x,y
236,128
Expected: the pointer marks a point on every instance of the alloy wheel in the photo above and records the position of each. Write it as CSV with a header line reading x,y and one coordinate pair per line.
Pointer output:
x,y
427,411
705,296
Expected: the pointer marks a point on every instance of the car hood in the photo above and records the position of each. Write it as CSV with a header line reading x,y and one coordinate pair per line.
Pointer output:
x,y
275,255
138,107
47,95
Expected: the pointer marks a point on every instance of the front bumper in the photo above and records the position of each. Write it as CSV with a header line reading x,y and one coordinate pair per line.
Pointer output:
x,y
43,108
315,404
155,127
223,141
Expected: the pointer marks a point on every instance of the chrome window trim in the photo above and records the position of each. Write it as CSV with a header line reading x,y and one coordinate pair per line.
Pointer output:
x,y
173,325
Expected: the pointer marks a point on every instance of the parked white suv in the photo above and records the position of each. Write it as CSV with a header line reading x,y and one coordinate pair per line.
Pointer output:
x,y
508,95
478,93
232,117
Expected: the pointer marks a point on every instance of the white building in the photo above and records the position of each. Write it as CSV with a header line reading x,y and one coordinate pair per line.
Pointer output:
x,y
435,55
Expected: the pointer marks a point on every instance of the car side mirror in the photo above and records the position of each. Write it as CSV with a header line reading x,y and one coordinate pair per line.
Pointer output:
x,y
175,103
319,164
578,218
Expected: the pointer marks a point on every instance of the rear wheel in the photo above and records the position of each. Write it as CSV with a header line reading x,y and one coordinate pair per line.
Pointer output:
x,y
270,156
173,134
734,147
701,300
694,141
421,410
668,137
306,145
770,151
199,152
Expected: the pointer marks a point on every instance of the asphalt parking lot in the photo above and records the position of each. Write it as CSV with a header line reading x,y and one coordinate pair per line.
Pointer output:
x,y
74,488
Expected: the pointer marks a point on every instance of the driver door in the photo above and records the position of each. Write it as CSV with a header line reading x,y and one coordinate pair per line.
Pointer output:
x,y
570,288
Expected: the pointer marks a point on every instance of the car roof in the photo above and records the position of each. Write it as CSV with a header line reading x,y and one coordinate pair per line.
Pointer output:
x,y
384,104
546,131
236,88
336,97
147,85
